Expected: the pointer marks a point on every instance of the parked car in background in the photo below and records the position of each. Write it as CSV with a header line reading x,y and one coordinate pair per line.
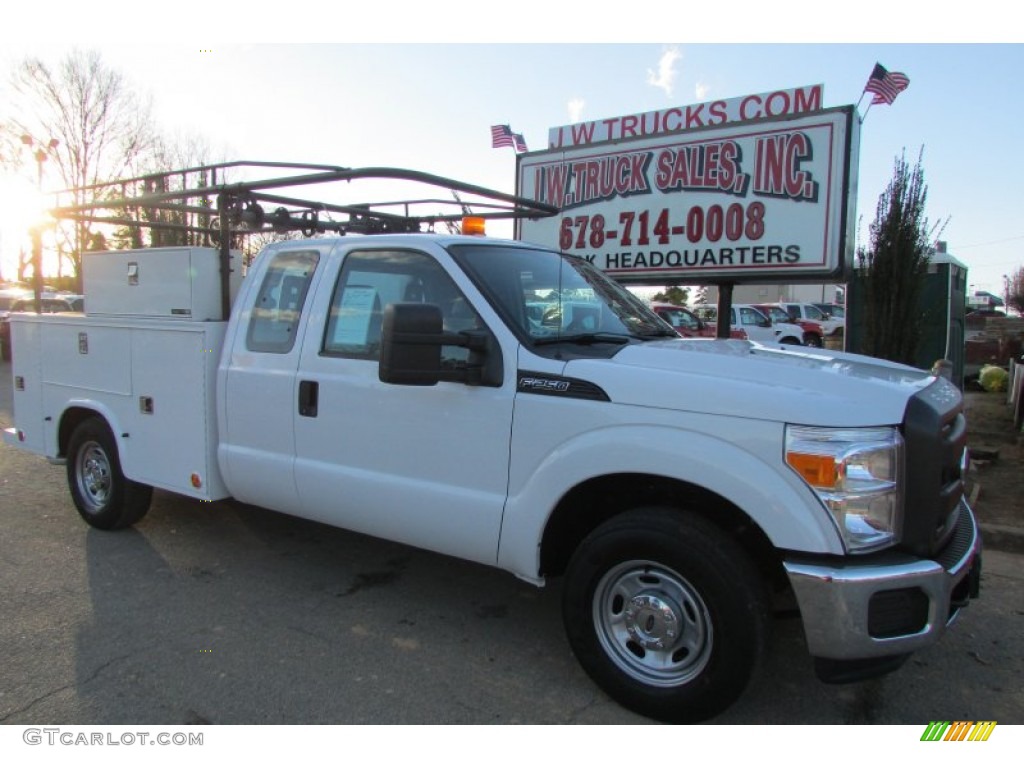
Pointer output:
x,y
757,325
813,333
689,325
986,313
8,298
19,300
50,304
798,311
837,311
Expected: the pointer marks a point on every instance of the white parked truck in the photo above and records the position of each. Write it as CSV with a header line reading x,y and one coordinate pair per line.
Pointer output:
x,y
511,405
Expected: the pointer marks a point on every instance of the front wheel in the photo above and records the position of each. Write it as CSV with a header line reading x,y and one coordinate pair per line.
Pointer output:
x,y
103,496
812,340
666,613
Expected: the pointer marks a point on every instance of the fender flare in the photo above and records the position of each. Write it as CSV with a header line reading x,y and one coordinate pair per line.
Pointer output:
x,y
104,412
775,499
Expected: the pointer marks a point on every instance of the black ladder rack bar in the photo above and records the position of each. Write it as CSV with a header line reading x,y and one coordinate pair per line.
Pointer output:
x,y
238,212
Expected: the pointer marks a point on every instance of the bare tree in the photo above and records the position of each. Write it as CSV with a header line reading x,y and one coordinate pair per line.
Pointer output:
x,y
91,125
175,164
1014,290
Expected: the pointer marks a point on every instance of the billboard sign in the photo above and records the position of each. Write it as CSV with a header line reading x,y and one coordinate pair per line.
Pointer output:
x,y
761,201
758,106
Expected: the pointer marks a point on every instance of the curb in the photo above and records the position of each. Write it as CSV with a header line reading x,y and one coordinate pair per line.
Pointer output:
x,y
1003,538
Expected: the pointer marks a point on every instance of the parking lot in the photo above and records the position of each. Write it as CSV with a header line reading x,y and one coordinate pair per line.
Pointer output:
x,y
225,613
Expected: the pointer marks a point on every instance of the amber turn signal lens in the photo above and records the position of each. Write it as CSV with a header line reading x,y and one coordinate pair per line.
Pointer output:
x,y
818,471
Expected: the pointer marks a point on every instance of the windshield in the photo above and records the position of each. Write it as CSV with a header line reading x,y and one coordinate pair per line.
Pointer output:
x,y
678,318
777,314
813,313
547,297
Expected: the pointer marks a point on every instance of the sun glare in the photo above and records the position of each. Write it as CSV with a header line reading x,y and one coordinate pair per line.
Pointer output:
x,y
21,206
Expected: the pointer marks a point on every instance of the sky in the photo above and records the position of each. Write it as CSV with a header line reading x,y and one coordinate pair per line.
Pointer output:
x,y
420,95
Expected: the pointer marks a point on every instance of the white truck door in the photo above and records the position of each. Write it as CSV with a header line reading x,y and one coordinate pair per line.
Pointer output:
x,y
427,466
750,321
257,451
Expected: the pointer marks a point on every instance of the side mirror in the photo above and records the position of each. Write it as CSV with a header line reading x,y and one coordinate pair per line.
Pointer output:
x,y
410,350
411,337
766,323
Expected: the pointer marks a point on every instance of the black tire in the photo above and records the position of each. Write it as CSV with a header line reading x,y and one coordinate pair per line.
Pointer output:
x,y
812,340
666,614
103,496
792,341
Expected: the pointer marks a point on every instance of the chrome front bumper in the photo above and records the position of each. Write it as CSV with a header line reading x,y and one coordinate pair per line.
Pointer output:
x,y
835,598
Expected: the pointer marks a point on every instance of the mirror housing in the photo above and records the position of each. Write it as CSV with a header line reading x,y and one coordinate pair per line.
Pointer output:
x,y
410,349
412,335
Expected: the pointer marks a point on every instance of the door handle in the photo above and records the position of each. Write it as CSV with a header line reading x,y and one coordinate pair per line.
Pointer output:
x,y
309,395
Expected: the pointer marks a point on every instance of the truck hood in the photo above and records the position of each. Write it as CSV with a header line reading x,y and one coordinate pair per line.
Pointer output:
x,y
760,381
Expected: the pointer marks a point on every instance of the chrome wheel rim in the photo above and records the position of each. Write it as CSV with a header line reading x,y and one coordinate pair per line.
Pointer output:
x,y
93,476
652,623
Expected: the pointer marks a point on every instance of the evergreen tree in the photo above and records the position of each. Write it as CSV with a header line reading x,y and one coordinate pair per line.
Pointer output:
x,y
895,264
672,295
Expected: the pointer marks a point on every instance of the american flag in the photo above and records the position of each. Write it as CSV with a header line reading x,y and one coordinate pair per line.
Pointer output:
x,y
502,136
885,85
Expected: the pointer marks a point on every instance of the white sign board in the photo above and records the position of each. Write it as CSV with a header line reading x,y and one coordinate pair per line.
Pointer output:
x,y
758,106
767,200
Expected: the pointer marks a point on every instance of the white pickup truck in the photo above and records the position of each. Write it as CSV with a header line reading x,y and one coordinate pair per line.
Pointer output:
x,y
510,405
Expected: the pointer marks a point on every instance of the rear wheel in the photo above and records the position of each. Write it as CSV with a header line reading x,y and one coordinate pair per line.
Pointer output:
x,y
666,613
103,496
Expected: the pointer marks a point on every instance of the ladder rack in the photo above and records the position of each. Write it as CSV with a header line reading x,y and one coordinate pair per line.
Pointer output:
x,y
198,202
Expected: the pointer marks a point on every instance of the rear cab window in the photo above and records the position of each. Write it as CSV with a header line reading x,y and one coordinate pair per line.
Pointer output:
x,y
274,321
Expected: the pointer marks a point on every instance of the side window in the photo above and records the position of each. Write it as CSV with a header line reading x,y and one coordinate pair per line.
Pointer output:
x,y
370,280
687,320
679,319
275,316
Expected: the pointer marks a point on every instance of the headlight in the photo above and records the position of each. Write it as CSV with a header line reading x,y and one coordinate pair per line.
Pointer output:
x,y
858,475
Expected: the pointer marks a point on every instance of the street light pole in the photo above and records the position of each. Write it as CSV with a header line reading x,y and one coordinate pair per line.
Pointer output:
x,y
41,153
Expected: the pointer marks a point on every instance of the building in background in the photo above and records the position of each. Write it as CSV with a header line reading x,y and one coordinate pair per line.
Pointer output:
x,y
770,294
